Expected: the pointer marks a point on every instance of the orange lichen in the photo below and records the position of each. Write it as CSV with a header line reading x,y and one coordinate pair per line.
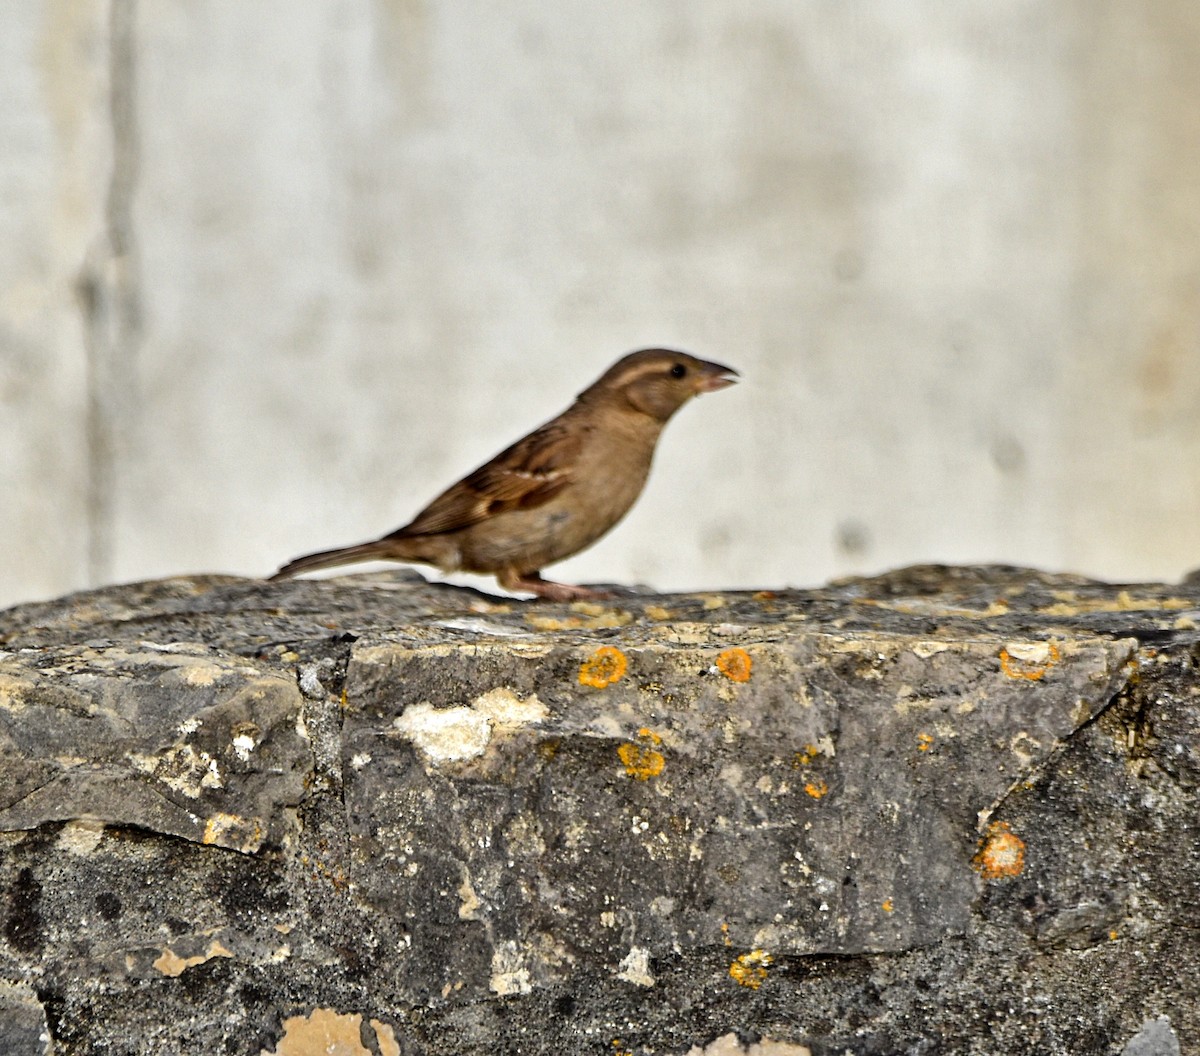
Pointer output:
x,y
1001,853
641,760
805,756
1030,662
816,788
605,666
924,742
735,664
335,1033
750,969
888,906
170,963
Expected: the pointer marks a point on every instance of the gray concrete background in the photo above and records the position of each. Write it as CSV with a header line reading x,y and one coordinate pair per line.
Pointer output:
x,y
272,275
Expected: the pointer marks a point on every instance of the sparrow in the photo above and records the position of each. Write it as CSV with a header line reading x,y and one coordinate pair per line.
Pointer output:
x,y
552,493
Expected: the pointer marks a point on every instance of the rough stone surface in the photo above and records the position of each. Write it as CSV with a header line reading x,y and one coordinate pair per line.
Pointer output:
x,y
942,810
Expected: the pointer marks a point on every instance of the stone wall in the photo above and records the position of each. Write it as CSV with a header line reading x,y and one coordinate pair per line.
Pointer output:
x,y
944,810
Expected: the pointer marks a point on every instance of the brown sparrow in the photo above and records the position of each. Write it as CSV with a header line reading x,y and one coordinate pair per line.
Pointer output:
x,y
556,491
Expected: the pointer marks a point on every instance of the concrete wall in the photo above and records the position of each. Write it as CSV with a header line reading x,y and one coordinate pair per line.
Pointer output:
x,y
271,275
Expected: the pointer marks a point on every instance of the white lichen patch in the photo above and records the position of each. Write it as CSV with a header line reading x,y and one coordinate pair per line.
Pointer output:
x,y
245,739
733,775
445,735
310,681
509,974
924,650
731,1045
469,907
183,768
508,711
1031,652
81,836
635,967
202,674
825,746
456,734
1024,746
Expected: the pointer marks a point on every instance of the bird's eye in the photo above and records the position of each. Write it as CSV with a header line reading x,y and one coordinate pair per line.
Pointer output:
x,y
678,371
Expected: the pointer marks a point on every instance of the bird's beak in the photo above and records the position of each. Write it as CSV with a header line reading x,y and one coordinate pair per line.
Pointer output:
x,y
716,377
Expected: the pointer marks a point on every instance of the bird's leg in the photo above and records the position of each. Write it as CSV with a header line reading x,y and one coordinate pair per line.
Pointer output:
x,y
533,583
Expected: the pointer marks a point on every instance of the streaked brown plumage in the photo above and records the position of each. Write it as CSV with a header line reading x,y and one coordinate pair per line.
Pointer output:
x,y
553,493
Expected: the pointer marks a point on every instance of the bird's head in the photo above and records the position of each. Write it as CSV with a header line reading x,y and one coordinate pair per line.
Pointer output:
x,y
658,381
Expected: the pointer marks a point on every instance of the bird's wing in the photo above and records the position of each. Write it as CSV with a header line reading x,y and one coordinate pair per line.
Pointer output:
x,y
521,477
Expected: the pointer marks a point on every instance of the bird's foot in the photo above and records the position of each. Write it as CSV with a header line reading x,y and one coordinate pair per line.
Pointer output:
x,y
551,591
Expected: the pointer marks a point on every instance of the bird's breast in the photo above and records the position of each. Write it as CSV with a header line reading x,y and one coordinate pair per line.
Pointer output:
x,y
571,521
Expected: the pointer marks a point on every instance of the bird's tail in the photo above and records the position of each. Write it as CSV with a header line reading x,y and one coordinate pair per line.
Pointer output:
x,y
346,555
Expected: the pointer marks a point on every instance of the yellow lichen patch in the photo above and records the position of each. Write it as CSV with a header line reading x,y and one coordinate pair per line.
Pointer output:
x,y
924,742
805,756
735,664
642,761
604,667
593,617
588,608
324,1032
1001,853
816,788
750,969
1029,660
233,831
171,964
657,612
1068,604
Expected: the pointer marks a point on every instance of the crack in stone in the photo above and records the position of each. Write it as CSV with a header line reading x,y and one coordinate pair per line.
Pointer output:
x,y
1035,771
